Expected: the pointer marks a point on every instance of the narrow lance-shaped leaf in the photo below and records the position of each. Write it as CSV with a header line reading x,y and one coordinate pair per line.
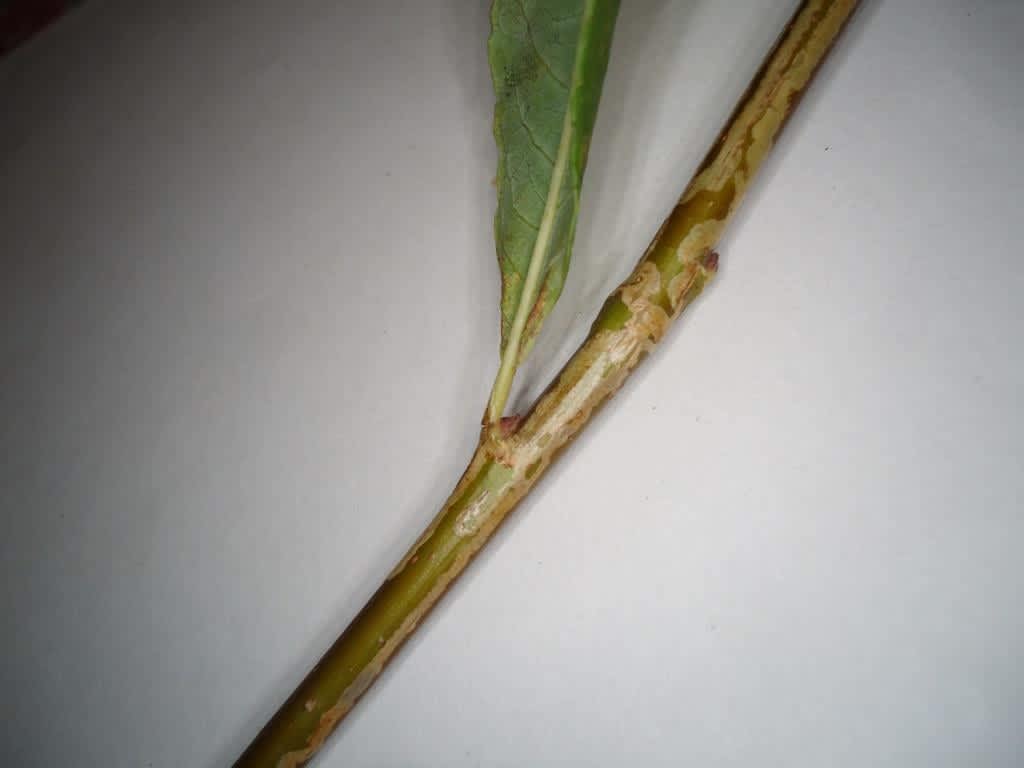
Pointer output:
x,y
548,60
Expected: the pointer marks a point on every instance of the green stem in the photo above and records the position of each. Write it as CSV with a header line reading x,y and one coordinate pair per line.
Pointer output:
x,y
505,467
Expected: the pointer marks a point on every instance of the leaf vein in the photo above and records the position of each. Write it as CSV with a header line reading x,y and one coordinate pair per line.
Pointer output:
x,y
536,48
529,130
522,217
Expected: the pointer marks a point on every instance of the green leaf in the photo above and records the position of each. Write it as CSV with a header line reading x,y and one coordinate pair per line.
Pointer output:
x,y
548,59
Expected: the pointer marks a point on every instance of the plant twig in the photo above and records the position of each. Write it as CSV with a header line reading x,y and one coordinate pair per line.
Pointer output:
x,y
508,462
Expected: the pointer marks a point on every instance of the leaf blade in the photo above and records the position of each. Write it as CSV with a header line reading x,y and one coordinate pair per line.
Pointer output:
x,y
548,59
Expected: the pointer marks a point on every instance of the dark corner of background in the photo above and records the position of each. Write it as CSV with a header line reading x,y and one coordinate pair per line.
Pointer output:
x,y
21,20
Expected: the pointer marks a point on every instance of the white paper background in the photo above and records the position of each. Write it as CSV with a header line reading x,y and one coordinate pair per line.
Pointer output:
x,y
249,322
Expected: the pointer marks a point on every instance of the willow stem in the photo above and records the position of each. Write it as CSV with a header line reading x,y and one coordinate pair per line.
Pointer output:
x,y
505,466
